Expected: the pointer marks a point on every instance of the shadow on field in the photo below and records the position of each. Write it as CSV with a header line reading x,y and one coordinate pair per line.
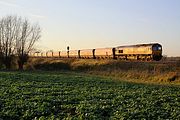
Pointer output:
x,y
52,66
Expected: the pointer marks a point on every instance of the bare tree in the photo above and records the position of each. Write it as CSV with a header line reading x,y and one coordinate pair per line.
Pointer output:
x,y
8,30
17,37
28,36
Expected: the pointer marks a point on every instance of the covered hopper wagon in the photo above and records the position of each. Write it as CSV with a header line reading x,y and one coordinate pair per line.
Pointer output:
x,y
152,51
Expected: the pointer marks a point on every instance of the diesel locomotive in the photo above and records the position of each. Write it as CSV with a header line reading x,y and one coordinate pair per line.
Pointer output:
x,y
152,51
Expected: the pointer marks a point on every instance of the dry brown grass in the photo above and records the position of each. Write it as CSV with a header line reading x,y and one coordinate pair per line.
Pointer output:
x,y
134,71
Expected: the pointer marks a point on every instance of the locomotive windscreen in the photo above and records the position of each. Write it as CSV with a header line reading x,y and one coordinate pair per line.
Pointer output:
x,y
157,47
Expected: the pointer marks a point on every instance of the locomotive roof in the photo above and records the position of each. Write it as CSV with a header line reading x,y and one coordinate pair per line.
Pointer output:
x,y
139,45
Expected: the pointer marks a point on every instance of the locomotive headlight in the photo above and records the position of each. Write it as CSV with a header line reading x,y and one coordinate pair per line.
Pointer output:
x,y
159,48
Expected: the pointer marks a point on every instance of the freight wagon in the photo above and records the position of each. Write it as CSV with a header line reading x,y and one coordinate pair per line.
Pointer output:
x,y
151,51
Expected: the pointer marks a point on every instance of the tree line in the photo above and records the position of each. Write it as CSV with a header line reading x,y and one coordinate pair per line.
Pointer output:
x,y
17,38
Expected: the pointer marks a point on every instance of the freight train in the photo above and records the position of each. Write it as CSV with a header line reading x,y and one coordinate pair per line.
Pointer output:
x,y
152,51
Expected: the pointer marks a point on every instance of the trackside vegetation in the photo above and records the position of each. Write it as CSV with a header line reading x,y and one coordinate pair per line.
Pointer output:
x,y
162,72
69,95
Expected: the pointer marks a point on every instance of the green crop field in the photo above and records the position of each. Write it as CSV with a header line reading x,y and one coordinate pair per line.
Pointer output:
x,y
67,95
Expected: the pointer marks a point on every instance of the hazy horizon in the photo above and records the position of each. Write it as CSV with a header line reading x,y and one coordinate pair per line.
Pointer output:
x,y
84,24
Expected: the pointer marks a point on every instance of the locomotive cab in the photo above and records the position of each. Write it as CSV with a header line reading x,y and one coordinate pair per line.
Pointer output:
x,y
156,52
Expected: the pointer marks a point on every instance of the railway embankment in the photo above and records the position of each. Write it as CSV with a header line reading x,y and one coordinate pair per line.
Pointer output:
x,y
161,72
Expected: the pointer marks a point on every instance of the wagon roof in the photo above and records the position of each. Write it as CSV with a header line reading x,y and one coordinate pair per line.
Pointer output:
x,y
138,45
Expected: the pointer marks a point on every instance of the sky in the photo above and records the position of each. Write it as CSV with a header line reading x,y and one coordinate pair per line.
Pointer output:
x,y
84,24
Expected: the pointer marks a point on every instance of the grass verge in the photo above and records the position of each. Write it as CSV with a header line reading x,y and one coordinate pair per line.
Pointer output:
x,y
134,71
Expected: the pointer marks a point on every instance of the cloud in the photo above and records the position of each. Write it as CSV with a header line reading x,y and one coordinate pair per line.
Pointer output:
x,y
8,4
26,12
37,16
